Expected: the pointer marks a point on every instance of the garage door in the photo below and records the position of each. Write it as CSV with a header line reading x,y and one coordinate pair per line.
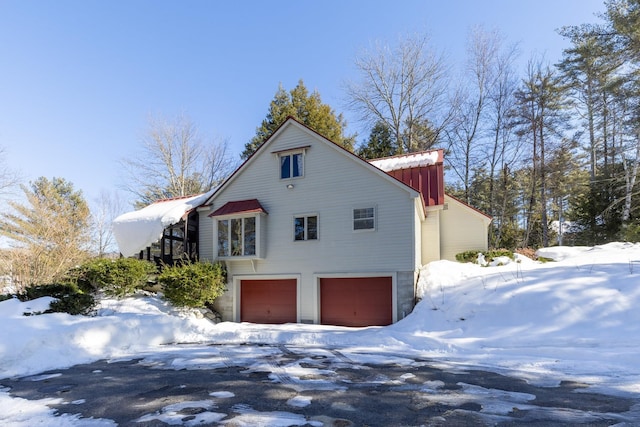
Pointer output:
x,y
268,301
356,301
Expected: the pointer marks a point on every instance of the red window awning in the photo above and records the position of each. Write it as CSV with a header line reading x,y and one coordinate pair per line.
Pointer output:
x,y
239,207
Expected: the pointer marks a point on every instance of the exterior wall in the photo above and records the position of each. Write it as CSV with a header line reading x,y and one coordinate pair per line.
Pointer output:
x,y
224,305
418,218
405,291
205,231
462,229
430,236
334,183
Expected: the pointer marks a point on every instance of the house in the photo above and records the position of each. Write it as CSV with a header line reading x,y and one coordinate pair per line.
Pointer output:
x,y
164,231
311,233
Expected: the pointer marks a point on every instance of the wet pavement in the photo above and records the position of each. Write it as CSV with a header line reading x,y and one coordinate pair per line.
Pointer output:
x,y
286,385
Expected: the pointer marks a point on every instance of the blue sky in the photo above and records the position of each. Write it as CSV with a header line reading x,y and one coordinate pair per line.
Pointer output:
x,y
79,79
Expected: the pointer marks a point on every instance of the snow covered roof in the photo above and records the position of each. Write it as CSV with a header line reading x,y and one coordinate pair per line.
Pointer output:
x,y
136,230
406,161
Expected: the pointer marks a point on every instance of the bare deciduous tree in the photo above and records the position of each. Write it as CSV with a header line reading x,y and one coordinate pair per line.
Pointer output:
x,y
106,208
404,87
174,161
8,178
480,131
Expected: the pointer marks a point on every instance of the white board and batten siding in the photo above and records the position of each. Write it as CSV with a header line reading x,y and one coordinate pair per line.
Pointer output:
x,y
334,183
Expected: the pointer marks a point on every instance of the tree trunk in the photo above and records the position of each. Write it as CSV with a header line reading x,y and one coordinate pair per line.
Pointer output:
x,y
631,173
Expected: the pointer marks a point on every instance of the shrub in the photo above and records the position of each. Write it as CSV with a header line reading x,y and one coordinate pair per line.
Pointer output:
x,y
468,256
495,253
78,303
119,277
70,299
472,256
193,284
630,232
55,291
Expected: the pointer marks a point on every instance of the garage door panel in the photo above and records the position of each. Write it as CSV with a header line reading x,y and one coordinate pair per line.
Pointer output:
x,y
268,301
356,301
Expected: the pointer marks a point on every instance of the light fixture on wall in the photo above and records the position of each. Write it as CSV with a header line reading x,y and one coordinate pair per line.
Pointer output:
x,y
290,186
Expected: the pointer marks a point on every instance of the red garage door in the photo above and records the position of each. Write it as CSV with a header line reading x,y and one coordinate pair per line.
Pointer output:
x,y
356,301
268,301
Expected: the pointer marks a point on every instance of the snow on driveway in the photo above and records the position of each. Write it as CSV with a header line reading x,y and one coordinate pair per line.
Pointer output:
x,y
575,318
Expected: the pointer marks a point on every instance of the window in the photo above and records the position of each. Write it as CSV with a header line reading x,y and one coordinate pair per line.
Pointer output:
x,y
364,219
223,237
305,228
237,237
291,165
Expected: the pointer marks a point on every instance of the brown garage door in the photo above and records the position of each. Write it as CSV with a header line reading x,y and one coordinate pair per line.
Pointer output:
x,y
268,301
356,301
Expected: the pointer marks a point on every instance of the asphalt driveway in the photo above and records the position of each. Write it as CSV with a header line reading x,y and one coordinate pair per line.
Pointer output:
x,y
289,386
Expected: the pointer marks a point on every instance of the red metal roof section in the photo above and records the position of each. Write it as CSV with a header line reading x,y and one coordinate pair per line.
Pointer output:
x,y
428,179
238,207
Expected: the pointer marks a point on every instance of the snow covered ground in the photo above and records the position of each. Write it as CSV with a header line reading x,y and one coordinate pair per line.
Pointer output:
x,y
573,319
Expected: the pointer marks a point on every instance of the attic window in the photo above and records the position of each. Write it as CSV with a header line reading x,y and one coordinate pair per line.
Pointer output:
x,y
291,165
291,162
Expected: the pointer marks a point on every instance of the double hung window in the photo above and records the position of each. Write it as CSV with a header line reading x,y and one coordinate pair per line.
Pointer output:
x,y
364,219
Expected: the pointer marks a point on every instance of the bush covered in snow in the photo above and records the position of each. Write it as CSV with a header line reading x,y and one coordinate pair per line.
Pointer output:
x,y
68,298
488,256
193,284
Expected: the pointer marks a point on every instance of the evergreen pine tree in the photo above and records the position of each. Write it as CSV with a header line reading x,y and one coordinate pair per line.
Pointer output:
x,y
541,105
380,143
51,233
307,109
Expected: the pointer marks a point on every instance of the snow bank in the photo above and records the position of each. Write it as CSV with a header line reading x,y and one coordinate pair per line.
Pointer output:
x,y
136,230
560,253
32,344
576,318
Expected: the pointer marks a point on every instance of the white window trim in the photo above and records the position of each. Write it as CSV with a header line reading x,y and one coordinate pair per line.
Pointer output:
x,y
258,232
365,230
280,154
305,216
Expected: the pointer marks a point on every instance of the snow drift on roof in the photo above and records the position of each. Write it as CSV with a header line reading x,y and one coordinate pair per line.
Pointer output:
x,y
407,161
136,230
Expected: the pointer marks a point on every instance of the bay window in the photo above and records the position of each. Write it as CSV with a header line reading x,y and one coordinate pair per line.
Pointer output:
x,y
237,237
